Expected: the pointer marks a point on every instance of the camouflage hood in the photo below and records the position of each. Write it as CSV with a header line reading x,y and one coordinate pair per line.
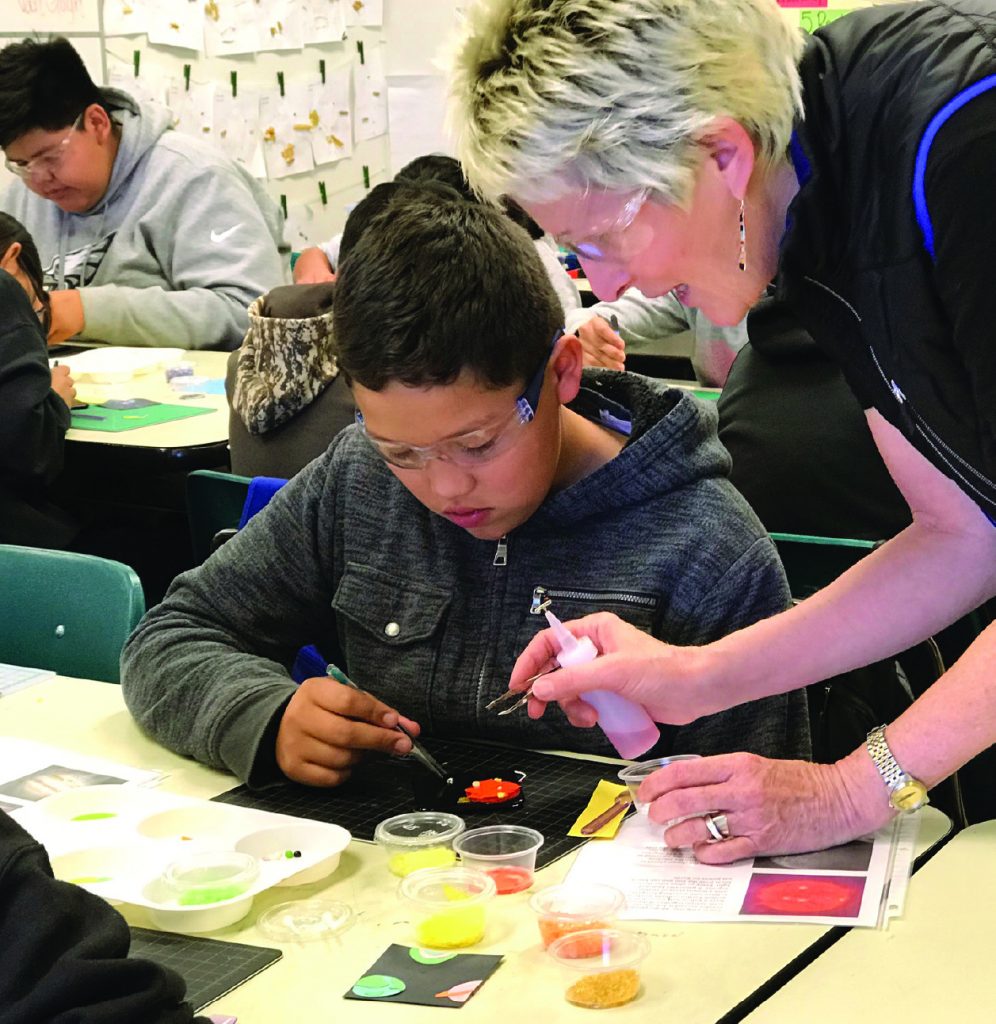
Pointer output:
x,y
287,358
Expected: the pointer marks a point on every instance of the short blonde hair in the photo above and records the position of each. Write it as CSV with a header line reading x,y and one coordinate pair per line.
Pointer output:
x,y
550,95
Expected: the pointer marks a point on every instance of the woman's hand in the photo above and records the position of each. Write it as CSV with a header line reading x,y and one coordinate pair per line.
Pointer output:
x,y
327,727
675,684
770,806
63,385
602,346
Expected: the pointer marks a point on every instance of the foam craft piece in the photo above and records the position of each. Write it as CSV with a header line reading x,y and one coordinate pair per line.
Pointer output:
x,y
601,800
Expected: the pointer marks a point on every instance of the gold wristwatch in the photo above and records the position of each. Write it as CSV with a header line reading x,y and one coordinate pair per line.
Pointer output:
x,y
906,794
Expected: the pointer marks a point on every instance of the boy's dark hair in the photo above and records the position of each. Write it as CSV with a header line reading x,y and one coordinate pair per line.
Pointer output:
x,y
42,85
11,231
439,168
437,285
376,201
435,167
363,213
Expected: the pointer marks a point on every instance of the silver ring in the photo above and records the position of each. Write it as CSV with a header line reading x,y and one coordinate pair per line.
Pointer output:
x,y
719,827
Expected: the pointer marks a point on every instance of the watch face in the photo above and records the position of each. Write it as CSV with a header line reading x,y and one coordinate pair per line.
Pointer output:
x,y
910,797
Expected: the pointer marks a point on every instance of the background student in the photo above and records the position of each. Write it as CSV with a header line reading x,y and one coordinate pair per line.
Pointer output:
x,y
487,474
147,236
286,394
65,951
35,401
319,263
644,324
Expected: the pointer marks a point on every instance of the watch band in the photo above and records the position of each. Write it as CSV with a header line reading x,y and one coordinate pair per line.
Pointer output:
x,y
905,792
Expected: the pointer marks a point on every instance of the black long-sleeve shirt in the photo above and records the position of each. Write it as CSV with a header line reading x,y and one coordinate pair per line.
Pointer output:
x,y
64,953
32,428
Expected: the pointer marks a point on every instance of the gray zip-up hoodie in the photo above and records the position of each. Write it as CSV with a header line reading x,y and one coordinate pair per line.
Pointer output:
x,y
430,619
180,245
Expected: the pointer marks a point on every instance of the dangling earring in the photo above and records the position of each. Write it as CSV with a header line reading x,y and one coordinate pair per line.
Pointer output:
x,y
742,263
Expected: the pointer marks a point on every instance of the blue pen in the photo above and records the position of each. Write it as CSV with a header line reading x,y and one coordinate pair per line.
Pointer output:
x,y
418,751
87,416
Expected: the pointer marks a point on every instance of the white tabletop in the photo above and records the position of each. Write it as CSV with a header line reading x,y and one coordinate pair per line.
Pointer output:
x,y
206,429
696,973
930,967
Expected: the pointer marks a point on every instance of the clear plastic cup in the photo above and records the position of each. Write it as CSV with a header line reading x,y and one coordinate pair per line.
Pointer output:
x,y
608,962
203,878
505,852
632,775
302,922
449,904
566,908
421,839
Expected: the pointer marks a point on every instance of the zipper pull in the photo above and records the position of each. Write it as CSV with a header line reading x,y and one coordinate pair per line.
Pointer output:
x,y
896,392
540,601
501,555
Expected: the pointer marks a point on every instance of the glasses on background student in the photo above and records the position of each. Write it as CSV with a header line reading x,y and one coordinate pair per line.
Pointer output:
x,y
50,160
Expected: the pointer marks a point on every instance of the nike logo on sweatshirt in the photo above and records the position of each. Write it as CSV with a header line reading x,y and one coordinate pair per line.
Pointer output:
x,y
219,236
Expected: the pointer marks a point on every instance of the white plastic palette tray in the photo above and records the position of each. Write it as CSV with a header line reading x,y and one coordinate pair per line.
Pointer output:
x,y
117,363
117,841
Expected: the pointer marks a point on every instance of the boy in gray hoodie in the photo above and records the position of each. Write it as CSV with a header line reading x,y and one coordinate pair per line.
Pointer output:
x,y
487,478
147,236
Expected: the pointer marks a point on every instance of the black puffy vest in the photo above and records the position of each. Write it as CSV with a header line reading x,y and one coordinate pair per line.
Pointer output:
x,y
855,263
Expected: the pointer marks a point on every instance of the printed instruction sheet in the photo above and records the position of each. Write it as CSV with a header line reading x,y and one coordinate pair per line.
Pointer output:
x,y
860,883
31,771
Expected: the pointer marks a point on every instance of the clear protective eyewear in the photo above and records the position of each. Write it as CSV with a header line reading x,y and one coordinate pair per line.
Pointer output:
x,y
477,447
606,241
47,163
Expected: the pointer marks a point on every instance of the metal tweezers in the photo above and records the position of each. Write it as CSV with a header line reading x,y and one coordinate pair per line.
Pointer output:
x,y
518,698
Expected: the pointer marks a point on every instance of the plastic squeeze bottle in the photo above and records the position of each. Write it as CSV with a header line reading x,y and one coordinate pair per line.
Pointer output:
x,y
628,726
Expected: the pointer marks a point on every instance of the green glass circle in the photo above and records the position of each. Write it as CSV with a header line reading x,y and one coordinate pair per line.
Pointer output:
x,y
378,986
429,956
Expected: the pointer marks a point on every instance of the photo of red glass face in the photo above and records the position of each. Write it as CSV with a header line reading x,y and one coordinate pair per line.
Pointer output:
x,y
804,895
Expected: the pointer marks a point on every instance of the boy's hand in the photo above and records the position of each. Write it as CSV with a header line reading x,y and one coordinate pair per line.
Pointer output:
x,y
326,728
66,308
312,267
63,385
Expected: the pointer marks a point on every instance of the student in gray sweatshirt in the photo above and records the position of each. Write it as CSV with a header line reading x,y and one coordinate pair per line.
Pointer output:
x,y
147,236
487,477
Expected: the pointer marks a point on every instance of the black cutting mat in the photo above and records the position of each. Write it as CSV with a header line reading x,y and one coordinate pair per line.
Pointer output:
x,y
557,790
210,967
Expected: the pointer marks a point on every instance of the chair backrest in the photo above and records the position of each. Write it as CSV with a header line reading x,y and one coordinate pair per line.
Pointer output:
x,y
67,612
811,563
214,502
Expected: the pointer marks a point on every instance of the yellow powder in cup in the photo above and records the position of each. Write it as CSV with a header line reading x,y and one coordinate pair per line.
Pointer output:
x,y
609,988
434,857
452,928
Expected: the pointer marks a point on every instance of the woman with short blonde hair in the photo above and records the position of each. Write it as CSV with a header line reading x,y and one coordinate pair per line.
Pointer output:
x,y
704,148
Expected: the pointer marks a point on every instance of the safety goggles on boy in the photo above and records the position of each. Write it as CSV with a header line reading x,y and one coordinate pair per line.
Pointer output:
x,y
47,163
476,447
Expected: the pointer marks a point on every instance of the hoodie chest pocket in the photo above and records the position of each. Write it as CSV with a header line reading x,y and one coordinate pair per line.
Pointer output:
x,y
390,629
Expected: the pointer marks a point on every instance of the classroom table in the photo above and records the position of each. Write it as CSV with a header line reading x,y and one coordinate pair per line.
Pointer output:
x,y
696,973
932,966
194,443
